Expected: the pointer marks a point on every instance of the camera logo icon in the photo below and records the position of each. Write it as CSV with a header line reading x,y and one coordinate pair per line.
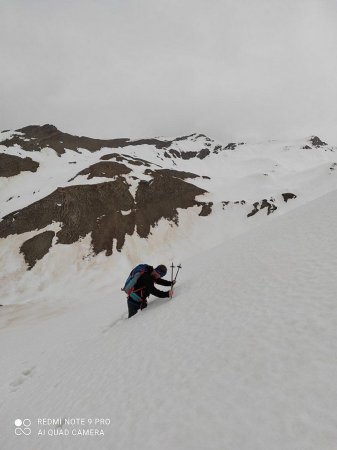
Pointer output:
x,y
22,427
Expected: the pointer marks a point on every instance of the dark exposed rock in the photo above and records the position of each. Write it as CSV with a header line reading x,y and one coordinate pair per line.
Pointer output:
x,y
156,142
255,210
137,161
333,166
126,158
230,146
109,156
288,196
106,210
77,208
41,136
37,247
174,153
183,138
36,137
187,155
238,202
11,165
306,147
193,137
161,198
104,169
316,142
201,154
49,136
206,209
174,173
271,207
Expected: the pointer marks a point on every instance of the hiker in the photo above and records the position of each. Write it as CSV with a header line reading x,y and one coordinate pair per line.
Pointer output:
x,y
144,286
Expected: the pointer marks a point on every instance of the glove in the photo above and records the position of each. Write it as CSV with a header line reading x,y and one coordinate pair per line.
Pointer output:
x,y
143,304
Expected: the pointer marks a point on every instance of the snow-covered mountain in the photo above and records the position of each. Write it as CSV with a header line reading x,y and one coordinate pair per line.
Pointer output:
x,y
242,358
58,188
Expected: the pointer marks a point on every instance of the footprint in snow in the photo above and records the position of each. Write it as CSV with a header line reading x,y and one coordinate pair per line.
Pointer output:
x,y
115,322
25,375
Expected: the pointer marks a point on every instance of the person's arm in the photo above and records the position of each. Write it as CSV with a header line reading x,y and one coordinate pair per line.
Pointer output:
x,y
164,282
149,284
161,294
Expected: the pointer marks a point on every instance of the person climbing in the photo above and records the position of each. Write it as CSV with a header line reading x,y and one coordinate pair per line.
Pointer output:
x,y
140,284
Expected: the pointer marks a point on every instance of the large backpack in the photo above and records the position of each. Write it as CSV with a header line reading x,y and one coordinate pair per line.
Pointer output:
x,y
135,274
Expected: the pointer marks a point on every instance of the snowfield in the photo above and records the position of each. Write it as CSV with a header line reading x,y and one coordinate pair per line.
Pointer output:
x,y
242,358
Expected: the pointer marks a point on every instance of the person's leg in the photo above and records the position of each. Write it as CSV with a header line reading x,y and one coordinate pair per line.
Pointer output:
x,y
143,304
133,308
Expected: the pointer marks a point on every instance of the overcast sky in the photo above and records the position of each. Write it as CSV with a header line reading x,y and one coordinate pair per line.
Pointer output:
x,y
233,69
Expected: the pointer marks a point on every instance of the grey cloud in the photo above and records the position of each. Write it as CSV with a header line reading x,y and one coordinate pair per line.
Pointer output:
x,y
236,70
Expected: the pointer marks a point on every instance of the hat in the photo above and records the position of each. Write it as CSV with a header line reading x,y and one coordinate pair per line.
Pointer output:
x,y
161,270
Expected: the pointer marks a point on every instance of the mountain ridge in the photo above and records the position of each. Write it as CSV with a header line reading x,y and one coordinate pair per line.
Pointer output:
x,y
87,190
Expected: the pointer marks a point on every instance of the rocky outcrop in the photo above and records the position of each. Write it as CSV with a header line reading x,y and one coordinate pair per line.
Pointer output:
x,y
104,169
36,137
288,196
11,165
230,146
174,173
106,211
126,158
201,154
206,209
317,142
160,198
77,208
37,247
269,204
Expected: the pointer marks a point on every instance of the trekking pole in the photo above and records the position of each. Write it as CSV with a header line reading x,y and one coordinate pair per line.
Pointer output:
x,y
179,267
175,278
172,267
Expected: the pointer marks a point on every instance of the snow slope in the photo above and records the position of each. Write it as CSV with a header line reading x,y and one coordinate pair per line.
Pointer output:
x,y
243,358
249,173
